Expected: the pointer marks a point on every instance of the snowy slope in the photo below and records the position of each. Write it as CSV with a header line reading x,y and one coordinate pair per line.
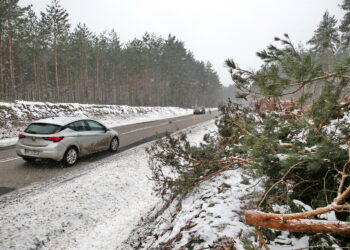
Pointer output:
x,y
212,211
14,117
93,208
110,205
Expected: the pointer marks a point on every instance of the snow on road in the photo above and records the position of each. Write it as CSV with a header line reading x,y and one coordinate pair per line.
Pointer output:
x,y
93,208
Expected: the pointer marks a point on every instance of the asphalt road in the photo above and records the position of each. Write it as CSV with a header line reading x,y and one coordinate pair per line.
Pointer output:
x,y
16,173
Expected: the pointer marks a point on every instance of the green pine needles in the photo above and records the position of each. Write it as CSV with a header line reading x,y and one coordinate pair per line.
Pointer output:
x,y
294,131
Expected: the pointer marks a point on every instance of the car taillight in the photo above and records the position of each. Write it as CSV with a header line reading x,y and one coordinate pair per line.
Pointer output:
x,y
54,139
20,136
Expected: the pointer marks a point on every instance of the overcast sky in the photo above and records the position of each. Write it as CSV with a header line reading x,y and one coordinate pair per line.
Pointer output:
x,y
212,30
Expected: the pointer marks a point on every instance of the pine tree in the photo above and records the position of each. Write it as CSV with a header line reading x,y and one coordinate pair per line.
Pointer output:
x,y
345,22
114,57
30,42
79,50
326,36
10,19
55,24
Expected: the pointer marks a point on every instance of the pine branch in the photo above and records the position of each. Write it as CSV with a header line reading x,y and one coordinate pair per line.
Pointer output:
x,y
303,83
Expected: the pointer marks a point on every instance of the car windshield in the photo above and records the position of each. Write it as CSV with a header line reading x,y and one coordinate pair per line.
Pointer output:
x,y
42,128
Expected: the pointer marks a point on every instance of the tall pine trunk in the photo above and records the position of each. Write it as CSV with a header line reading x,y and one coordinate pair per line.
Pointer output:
x,y
12,90
48,91
85,91
2,84
57,94
96,86
129,89
35,78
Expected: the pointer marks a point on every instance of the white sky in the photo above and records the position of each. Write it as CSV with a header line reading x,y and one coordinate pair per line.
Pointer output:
x,y
212,30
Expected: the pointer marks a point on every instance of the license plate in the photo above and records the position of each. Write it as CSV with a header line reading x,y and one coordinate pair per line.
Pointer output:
x,y
31,152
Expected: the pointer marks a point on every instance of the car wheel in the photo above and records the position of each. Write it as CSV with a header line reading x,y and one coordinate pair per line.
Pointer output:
x,y
28,159
70,157
113,147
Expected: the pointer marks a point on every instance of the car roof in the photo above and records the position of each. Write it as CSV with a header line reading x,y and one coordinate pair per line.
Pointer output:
x,y
62,121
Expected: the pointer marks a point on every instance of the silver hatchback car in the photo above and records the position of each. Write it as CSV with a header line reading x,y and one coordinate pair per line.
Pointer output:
x,y
64,139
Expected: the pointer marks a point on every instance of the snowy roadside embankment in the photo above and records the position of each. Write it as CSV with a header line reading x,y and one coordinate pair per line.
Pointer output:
x,y
15,116
93,208
209,216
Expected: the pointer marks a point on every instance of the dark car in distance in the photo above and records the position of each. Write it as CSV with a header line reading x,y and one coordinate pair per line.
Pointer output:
x,y
199,111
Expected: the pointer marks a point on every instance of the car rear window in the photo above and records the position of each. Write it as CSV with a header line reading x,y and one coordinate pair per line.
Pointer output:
x,y
42,128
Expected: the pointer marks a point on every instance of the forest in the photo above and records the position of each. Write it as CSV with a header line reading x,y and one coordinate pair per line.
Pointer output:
x,y
43,58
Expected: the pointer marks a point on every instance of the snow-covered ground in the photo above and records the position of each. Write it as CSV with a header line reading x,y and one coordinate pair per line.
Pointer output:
x,y
14,117
110,205
93,208
210,214
212,211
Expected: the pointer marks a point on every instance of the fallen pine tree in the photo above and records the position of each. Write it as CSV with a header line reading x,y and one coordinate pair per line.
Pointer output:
x,y
300,153
303,153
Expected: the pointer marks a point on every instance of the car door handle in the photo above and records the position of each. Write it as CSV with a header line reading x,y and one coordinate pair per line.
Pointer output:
x,y
78,135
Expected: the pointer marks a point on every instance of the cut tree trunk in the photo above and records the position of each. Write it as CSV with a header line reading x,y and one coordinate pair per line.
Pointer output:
x,y
277,221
